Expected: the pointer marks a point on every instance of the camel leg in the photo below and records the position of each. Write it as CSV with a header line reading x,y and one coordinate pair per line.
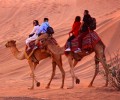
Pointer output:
x,y
100,54
105,66
37,83
63,74
77,79
71,71
75,63
96,71
102,60
32,67
53,73
59,63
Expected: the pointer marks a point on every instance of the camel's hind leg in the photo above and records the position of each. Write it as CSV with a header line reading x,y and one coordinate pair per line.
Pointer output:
x,y
102,60
53,74
96,71
99,50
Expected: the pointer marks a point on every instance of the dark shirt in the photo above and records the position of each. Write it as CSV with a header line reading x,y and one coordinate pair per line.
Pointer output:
x,y
86,20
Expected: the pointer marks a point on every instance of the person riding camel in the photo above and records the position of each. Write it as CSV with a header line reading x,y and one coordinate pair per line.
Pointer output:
x,y
84,28
74,32
33,35
44,26
43,29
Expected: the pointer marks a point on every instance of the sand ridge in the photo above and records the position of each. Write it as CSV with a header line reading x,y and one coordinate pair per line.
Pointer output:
x,y
16,18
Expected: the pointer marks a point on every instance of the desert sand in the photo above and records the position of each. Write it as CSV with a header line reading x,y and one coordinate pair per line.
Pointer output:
x,y
16,17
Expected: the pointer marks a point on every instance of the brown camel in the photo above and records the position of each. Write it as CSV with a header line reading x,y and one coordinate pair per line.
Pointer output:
x,y
99,57
39,55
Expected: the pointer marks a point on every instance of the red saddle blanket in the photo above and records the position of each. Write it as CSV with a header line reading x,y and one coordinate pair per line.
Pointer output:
x,y
39,45
32,45
88,42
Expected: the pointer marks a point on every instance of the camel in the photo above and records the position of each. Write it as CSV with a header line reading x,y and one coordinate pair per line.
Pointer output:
x,y
98,49
39,55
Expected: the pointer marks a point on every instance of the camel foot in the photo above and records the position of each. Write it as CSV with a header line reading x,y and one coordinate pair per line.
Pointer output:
x,y
31,88
90,85
61,87
47,87
38,84
71,87
77,81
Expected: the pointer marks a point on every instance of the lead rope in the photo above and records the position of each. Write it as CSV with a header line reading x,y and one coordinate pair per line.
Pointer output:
x,y
28,56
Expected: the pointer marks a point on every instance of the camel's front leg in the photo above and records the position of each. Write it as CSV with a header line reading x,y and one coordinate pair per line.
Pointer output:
x,y
32,75
37,83
106,70
77,79
59,63
53,74
32,67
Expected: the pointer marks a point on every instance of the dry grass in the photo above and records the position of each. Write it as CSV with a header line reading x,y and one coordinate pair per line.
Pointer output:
x,y
114,70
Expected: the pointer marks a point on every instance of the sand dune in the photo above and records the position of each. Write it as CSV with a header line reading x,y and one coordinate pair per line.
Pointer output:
x,y
16,18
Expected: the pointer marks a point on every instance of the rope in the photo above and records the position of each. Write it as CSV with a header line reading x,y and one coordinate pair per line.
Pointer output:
x,y
28,56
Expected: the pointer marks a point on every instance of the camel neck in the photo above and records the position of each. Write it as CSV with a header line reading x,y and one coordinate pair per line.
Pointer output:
x,y
17,54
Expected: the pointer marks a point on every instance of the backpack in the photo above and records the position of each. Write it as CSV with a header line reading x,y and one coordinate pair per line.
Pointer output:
x,y
50,30
92,24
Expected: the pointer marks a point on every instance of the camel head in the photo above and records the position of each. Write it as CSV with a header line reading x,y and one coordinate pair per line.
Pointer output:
x,y
10,43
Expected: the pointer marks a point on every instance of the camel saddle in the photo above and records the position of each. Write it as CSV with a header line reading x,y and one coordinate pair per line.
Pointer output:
x,y
39,45
32,45
88,42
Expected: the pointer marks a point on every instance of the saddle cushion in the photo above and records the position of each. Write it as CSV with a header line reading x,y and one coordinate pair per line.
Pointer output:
x,y
32,45
39,45
88,42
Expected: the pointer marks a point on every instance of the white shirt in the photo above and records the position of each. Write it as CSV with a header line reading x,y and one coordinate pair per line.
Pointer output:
x,y
35,29
43,27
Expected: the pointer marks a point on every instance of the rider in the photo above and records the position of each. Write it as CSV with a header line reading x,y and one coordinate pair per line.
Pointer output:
x,y
74,32
43,29
33,35
44,26
84,28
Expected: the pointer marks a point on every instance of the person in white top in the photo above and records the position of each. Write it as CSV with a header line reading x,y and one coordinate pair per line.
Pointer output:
x,y
34,34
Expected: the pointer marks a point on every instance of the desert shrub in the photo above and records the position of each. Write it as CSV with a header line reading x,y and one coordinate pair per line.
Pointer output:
x,y
114,71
